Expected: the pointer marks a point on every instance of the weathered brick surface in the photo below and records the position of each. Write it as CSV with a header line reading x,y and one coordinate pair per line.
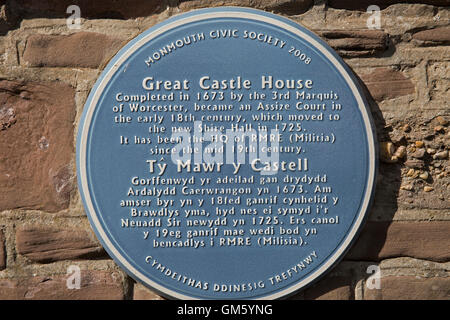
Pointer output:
x,y
36,145
285,6
5,19
118,9
142,293
422,197
424,164
386,83
364,4
410,288
421,240
438,74
94,285
82,49
436,36
50,244
356,43
330,288
2,251
404,66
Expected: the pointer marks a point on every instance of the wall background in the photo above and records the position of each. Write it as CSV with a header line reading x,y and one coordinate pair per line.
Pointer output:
x,y
47,70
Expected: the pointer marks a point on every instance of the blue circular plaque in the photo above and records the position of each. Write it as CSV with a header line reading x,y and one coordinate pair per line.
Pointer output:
x,y
226,154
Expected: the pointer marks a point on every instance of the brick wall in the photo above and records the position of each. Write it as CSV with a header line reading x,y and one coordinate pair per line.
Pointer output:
x,y
47,70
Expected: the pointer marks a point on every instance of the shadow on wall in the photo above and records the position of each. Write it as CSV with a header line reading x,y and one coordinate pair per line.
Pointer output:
x,y
340,283
373,235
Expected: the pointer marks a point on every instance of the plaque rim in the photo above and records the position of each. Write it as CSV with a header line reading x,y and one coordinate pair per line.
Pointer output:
x,y
195,16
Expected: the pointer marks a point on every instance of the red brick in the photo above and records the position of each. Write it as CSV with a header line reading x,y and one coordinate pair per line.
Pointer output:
x,y
386,83
95,285
2,251
410,288
437,36
330,288
420,240
48,245
142,293
36,145
356,43
82,49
